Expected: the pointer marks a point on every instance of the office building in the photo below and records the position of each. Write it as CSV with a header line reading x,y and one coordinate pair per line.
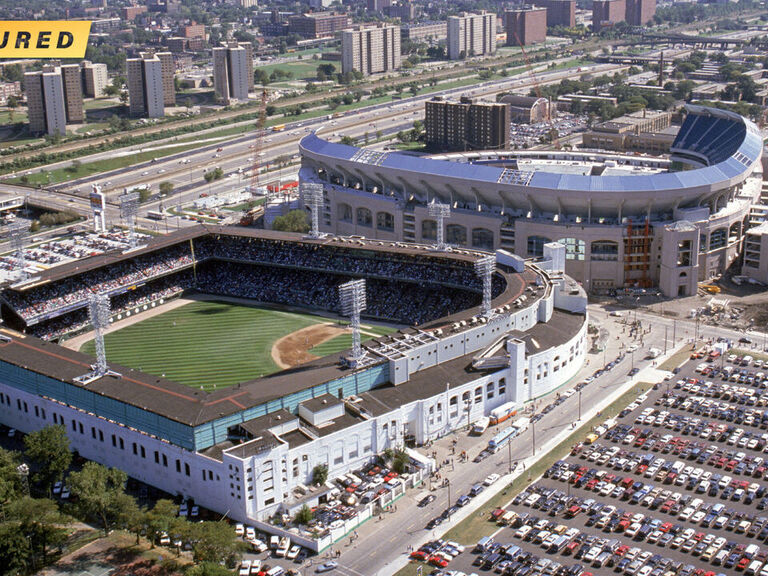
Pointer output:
x,y
145,86
54,99
525,26
466,125
607,13
94,78
559,12
319,25
471,35
230,73
371,50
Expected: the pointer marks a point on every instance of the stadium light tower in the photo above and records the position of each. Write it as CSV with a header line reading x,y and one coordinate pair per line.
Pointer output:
x,y
98,314
440,212
129,206
312,196
18,233
352,302
485,267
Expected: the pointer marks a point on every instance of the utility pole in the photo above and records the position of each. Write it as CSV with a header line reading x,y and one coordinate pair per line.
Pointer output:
x,y
533,431
579,405
448,483
665,339
509,454
674,332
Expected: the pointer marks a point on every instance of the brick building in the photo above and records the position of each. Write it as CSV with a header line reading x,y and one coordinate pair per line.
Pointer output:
x,y
525,26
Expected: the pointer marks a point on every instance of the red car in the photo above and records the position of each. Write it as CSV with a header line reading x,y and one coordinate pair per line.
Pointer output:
x,y
438,561
419,555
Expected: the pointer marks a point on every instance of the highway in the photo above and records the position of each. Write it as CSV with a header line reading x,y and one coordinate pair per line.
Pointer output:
x,y
185,170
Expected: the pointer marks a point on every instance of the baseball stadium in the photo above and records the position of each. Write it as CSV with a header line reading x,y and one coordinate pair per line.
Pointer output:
x,y
228,374
626,220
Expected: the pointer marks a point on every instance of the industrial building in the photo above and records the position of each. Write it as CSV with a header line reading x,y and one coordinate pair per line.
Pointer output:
x,y
471,35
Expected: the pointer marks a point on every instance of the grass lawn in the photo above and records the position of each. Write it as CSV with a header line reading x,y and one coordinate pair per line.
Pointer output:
x,y
344,341
301,69
678,357
92,127
91,168
18,115
470,530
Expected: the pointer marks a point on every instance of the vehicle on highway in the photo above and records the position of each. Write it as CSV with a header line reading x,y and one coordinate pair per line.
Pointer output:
x,y
327,567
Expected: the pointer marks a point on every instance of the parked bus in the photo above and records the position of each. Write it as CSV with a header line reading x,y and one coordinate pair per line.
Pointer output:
x,y
503,412
501,439
481,426
155,215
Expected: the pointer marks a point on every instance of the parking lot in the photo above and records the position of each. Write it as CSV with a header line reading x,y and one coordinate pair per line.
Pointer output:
x,y
676,485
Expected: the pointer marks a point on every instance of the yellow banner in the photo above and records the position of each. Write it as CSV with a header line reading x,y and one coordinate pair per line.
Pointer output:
x,y
44,38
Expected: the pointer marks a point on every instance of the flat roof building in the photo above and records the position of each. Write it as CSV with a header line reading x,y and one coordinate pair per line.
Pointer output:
x,y
606,13
94,78
145,86
466,125
640,12
54,99
525,26
471,35
230,73
424,31
559,12
371,50
317,25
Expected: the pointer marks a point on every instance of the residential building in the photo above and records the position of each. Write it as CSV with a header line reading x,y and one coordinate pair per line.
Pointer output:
x,y
230,73
145,86
129,13
318,25
525,26
526,109
94,78
177,44
606,13
471,35
466,125
168,70
8,89
424,31
371,50
377,5
405,11
54,99
559,12
640,12
193,31
314,4
247,3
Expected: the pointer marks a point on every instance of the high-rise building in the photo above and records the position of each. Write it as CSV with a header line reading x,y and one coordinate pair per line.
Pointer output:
x,y
145,86
606,13
230,73
248,47
471,35
168,71
54,99
640,12
466,125
371,50
94,78
405,10
526,25
559,12
319,25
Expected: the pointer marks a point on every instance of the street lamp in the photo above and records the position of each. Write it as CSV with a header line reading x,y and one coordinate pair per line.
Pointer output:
x,y
448,484
579,406
533,430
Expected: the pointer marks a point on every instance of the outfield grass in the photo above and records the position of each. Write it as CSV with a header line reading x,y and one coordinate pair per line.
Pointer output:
x,y
205,344
212,344
344,341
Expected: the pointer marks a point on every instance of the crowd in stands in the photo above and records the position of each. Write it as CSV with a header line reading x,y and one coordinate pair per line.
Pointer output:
x,y
77,320
402,287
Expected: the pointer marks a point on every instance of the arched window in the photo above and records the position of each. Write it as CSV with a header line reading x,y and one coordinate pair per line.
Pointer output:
x,y
574,248
364,217
717,239
344,212
703,243
456,234
605,250
482,238
536,246
428,230
385,221
734,232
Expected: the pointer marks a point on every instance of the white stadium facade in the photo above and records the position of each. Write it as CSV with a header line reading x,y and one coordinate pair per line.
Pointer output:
x,y
626,221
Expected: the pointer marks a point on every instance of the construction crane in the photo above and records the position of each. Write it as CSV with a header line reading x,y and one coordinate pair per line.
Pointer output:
x,y
250,215
537,88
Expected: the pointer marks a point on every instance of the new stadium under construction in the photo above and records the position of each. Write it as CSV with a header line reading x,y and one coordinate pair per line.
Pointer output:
x,y
625,220
481,332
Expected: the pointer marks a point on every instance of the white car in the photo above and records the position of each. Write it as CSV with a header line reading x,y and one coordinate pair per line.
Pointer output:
x,y
293,552
250,533
490,479
239,529
245,568
64,493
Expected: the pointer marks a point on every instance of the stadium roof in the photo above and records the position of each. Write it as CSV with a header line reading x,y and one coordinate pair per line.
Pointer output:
x,y
729,162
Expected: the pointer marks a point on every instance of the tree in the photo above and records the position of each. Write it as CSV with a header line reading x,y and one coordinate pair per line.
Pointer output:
x,y
144,195
319,474
13,101
294,221
304,515
208,569
10,485
166,188
41,523
124,98
99,492
347,140
215,542
48,451
162,518
15,550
